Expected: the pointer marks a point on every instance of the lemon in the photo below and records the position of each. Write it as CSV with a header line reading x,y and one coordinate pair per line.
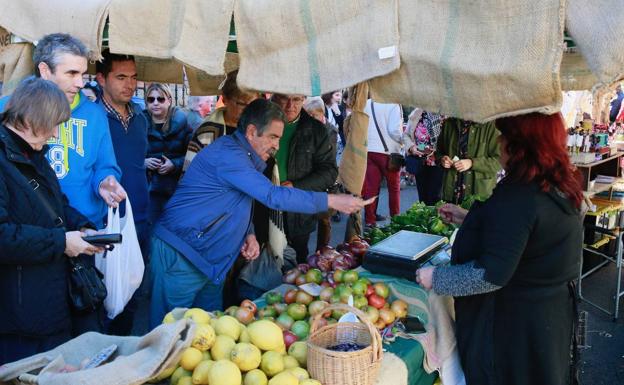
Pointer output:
x,y
198,315
300,373
185,380
266,335
284,378
244,336
246,356
200,374
169,318
222,347
272,363
310,382
255,377
162,375
190,358
224,372
204,337
290,362
228,326
177,374
299,350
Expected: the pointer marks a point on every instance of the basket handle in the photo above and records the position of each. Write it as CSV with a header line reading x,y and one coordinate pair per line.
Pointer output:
x,y
375,336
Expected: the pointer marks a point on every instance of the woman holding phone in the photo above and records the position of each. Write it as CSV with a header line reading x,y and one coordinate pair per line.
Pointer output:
x,y
168,137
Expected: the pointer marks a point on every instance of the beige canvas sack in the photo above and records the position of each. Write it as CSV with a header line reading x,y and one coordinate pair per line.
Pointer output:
x,y
195,32
314,47
136,360
477,60
33,19
597,27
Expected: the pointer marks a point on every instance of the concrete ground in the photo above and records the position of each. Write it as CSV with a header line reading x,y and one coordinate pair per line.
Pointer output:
x,y
602,356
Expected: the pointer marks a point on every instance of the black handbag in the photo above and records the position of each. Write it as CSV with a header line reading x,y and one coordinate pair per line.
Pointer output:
x,y
86,288
397,160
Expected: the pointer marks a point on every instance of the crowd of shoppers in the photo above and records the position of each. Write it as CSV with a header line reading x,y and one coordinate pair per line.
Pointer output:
x,y
205,187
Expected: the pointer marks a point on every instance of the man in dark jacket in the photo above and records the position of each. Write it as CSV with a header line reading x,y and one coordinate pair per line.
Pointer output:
x,y
116,74
36,238
306,160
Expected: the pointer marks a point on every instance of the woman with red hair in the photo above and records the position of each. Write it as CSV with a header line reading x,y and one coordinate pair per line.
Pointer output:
x,y
514,259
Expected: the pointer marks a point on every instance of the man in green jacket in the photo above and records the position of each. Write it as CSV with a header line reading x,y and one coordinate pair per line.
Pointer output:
x,y
469,154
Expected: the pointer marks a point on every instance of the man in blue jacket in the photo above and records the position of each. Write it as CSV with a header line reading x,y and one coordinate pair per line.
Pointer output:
x,y
207,222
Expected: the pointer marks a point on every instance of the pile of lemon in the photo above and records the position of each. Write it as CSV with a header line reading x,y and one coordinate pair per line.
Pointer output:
x,y
226,352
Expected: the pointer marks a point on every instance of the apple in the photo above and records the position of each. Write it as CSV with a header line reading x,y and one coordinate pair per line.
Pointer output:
x,y
376,301
297,311
381,289
271,298
338,276
301,280
289,338
284,321
303,297
399,308
350,276
314,275
359,288
290,296
387,316
372,313
326,293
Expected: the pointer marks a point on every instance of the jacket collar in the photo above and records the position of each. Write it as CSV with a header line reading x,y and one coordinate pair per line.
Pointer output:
x,y
258,163
12,150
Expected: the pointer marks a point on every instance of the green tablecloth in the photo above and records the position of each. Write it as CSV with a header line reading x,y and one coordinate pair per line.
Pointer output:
x,y
410,351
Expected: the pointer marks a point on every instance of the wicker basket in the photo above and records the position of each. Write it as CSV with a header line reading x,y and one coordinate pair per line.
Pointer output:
x,y
344,368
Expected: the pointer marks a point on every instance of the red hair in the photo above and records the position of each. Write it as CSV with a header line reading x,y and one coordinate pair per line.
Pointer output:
x,y
536,146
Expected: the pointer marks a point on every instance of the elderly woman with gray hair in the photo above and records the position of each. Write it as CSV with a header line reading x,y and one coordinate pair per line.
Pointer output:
x,y
39,231
168,136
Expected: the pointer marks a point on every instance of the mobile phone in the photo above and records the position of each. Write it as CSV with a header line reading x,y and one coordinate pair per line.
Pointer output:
x,y
103,239
413,325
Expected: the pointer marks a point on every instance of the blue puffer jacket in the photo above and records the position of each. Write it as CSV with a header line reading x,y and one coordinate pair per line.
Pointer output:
x,y
209,215
171,144
34,299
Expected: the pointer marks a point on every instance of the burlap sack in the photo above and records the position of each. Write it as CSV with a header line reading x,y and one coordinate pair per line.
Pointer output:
x,y
15,62
33,19
352,168
137,358
575,73
597,28
313,47
201,83
195,32
477,60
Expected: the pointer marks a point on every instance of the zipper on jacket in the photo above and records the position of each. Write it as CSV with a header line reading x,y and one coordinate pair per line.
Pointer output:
x,y
210,225
19,284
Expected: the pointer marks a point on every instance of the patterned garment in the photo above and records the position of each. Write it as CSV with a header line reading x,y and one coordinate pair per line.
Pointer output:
x,y
426,135
460,187
125,122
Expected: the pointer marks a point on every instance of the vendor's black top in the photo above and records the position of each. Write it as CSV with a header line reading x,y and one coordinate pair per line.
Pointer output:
x,y
33,269
528,242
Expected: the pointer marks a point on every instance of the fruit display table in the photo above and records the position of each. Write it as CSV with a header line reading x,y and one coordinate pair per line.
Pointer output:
x,y
408,368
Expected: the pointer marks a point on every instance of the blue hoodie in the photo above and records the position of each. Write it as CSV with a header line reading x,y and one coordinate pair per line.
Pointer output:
x,y
82,156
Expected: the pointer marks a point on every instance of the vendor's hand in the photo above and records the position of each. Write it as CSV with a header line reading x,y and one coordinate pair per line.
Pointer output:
x,y
75,245
251,248
451,213
152,163
166,167
346,203
424,277
287,183
463,165
446,162
90,232
111,191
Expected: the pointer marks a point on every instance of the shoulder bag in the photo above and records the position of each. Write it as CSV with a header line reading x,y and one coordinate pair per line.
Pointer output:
x,y
86,289
397,160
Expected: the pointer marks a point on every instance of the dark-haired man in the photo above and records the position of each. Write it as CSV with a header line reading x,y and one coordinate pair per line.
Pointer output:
x,y
117,76
207,222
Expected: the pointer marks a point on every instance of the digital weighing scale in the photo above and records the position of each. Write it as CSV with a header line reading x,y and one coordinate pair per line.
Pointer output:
x,y
401,254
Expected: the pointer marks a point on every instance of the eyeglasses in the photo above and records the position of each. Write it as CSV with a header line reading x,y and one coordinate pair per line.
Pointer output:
x,y
284,99
151,99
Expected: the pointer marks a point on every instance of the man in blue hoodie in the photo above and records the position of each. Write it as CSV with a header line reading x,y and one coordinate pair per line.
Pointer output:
x,y
207,222
82,153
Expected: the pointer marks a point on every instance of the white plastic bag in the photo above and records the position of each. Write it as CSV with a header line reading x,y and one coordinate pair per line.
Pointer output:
x,y
122,267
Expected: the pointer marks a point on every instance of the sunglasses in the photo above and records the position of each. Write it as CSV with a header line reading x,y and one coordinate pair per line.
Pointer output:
x,y
151,99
